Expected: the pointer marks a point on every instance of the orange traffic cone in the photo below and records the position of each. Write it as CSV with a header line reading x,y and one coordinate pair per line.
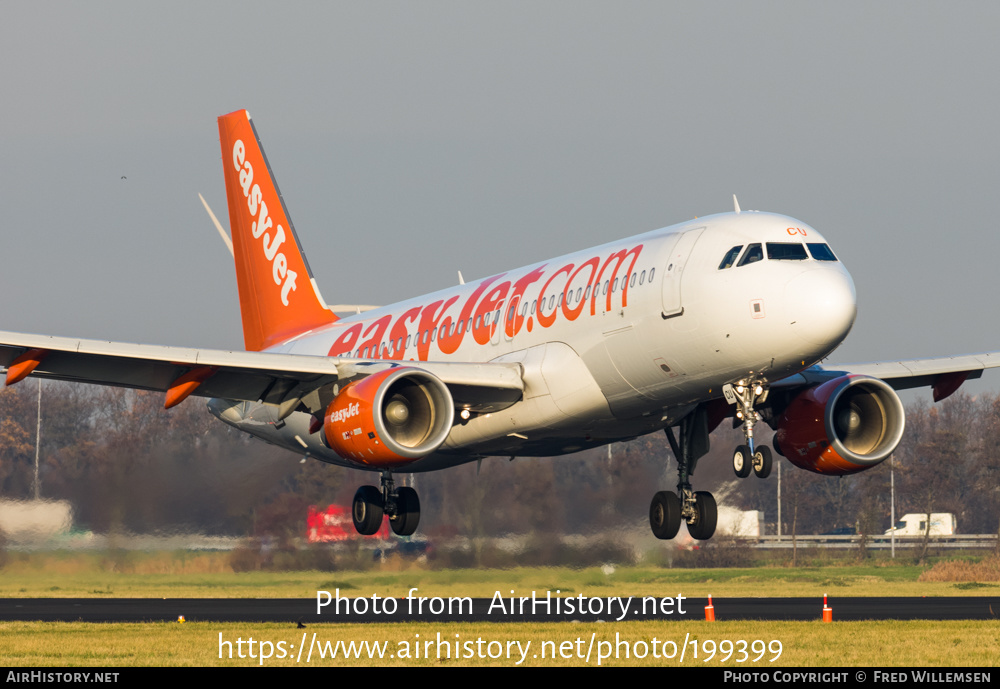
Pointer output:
x,y
827,611
710,610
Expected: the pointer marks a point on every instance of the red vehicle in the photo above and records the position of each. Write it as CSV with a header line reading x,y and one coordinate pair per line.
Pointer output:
x,y
335,525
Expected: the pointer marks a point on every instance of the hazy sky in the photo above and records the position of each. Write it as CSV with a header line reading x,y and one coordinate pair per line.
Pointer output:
x,y
414,139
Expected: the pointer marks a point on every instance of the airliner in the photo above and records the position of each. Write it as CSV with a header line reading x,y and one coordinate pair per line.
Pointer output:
x,y
673,331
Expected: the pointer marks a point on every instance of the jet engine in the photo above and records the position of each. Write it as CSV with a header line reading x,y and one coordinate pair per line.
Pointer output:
x,y
389,418
843,426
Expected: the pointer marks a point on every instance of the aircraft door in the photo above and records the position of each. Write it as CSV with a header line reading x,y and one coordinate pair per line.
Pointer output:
x,y
497,322
673,272
510,318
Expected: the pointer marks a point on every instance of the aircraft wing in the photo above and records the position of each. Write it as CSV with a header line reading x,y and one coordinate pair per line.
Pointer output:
x,y
943,374
249,376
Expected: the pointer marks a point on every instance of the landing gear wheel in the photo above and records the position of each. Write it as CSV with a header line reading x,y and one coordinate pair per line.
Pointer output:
x,y
742,461
367,510
665,515
706,517
762,461
407,512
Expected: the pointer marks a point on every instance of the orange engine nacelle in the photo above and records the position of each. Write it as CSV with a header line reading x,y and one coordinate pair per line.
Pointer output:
x,y
843,426
389,418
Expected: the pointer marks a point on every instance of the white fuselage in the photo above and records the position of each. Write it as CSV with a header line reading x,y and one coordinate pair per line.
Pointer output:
x,y
615,341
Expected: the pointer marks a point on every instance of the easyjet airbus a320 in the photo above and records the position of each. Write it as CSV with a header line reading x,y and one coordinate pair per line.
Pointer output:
x,y
674,330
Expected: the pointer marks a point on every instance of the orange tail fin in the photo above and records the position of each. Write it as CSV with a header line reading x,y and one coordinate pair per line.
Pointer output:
x,y
278,296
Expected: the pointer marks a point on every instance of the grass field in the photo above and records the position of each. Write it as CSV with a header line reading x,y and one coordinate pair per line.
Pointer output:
x,y
183,575
172,575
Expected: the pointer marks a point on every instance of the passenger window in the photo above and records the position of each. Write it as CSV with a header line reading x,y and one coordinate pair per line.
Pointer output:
x,y
753,254
651,271
730,258
642,277
821,252
632,283
785,251
579,293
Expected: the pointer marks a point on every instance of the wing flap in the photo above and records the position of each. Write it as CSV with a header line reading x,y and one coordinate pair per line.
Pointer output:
x,y
943,374
914,373
245,376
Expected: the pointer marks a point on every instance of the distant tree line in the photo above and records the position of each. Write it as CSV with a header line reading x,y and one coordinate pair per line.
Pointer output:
x,y
127,464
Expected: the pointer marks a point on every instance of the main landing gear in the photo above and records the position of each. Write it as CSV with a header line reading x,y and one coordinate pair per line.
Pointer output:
x,y
401,505
698,509
750,456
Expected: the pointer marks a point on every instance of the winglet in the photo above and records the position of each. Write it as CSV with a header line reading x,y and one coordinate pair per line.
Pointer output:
x,y
736,205
279,299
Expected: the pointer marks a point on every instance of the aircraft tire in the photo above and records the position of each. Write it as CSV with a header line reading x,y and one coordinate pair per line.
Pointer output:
x,y
407,512
706,517
762,461
742,461
665,515
367,510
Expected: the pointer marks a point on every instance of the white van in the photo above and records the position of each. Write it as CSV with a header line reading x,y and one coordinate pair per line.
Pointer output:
x,y
942,524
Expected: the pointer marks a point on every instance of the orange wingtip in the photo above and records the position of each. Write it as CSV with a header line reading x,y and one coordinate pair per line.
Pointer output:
x,y
23,365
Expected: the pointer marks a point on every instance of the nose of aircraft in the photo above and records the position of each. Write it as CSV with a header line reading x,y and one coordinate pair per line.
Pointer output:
x,y
823,304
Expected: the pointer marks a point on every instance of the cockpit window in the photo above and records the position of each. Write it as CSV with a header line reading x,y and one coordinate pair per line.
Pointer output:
x,y
821,252
753,254
786,251
730,257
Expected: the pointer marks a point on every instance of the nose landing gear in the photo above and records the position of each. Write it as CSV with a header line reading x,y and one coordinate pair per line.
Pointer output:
x,y
401,505
749,456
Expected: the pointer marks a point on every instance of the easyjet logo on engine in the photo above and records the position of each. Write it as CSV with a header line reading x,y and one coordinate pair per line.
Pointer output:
x,y
351,410
261,227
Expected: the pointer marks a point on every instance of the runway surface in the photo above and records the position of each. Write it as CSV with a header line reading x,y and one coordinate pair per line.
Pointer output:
x,y
366,610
